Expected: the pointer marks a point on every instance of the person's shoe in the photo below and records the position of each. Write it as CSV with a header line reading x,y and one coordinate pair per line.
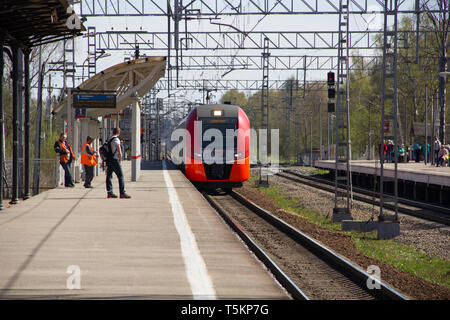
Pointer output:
x,y
125,196
89,186
71,186
111,195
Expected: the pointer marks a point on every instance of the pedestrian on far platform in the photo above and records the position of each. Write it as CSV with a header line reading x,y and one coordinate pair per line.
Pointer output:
x,y
437,149
425,148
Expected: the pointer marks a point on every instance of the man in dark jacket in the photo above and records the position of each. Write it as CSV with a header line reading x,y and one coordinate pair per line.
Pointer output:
x,y
63,148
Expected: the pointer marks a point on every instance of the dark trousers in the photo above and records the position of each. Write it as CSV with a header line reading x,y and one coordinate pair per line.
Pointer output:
x,y
67,176
114,166
417,154
89,175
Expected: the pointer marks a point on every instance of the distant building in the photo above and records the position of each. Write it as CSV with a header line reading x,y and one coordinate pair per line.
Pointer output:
x,y
418,132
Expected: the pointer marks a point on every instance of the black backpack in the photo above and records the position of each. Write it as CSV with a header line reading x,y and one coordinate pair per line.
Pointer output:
x,y
105,150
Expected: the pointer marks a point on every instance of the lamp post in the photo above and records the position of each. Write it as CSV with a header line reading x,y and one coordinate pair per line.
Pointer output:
x,y
102,55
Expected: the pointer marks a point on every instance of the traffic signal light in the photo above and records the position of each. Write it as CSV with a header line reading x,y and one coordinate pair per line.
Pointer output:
x,y
330,106
330,78
331,93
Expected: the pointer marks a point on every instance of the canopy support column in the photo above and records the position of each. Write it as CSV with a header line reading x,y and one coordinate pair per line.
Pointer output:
x,y
2,136
135,140
26,158
15,125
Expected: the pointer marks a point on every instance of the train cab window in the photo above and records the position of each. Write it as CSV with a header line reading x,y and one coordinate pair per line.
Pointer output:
x,y
222,125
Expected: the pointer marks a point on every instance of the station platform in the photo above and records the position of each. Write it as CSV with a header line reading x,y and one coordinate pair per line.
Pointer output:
x,y
416,180
166,242
411,171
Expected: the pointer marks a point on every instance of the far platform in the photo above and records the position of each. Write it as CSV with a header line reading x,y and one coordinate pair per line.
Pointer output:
x,y
411,171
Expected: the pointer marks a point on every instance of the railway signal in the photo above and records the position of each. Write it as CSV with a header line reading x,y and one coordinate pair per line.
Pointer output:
x,y
331,106
331,91
331,79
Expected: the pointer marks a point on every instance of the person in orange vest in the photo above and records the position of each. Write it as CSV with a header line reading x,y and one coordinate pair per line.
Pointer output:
x,y
63,148
89,161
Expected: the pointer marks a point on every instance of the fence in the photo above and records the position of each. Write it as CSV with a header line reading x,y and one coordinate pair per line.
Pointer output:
x,y
49,176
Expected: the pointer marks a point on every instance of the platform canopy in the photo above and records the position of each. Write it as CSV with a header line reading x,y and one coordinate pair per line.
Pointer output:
x,y
29,23
128,80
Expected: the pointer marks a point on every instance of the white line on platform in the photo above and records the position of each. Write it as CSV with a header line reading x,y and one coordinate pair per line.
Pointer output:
x,y
197,274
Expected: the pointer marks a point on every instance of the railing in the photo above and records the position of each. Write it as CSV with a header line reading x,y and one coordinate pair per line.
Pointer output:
x,y
48,177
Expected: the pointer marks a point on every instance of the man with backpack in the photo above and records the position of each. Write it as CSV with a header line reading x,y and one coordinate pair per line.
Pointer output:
x,y
112,153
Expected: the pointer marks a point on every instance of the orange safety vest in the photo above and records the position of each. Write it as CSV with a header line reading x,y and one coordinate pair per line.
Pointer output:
x,y
86,158
65,157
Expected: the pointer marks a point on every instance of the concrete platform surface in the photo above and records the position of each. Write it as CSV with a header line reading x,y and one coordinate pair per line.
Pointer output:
x,y
164,243
412,171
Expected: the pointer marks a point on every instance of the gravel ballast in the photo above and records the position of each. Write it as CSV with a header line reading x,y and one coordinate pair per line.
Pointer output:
x,y
428,237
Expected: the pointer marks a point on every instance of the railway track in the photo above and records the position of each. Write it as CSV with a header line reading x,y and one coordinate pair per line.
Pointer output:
x,y
410,207
307,270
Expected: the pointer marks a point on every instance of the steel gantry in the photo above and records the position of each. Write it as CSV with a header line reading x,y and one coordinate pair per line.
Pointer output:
x,y
389,107
188,50
342,209
214,8
217,40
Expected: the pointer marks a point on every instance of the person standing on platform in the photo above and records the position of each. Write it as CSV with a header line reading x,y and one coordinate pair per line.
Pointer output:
x,y
416,151
113,166
426,152
390,151
437,149
442,157
63,148
401,153
382,148
89,161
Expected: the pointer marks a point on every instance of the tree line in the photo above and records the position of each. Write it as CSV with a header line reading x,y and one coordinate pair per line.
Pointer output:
x,y
293,108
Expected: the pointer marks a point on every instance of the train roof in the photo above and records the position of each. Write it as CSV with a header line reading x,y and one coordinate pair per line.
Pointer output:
x,y
229,110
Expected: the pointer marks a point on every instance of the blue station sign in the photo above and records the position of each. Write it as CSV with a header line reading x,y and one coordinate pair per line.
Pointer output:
x,y
94,100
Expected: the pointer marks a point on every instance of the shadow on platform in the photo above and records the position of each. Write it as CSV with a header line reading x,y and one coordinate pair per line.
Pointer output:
x,y
157,165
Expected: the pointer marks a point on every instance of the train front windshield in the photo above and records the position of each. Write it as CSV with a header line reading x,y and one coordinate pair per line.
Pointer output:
x,y
211,144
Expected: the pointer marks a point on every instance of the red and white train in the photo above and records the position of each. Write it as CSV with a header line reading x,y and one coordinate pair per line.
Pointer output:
x,y
216,146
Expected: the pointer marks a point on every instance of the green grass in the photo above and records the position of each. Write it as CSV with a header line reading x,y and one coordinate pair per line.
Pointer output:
x,y
292,204
315,171
406,258
403,257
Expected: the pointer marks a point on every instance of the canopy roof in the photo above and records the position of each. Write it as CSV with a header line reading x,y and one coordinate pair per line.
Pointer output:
x,y
28,23
129,80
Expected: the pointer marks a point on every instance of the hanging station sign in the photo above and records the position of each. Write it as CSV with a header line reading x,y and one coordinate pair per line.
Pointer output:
x,y
94,100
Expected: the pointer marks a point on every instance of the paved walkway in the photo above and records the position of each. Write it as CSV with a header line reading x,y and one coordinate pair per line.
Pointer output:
x,y
164,243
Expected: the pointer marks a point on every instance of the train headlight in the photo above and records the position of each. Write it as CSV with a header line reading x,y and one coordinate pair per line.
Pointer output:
x,y
217,113
238,155
198,155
